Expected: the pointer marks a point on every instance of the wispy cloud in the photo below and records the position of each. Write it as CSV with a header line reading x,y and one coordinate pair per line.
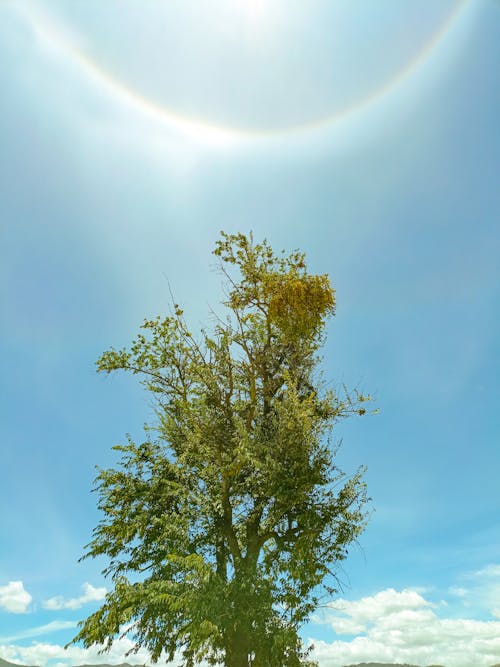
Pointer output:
x,y
492,570
90,594
40,630
14,597
480,590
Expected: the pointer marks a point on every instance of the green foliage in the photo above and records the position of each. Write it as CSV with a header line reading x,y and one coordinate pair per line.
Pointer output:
x,y
222,532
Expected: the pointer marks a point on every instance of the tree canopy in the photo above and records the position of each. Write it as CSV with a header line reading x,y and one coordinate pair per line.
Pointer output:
x,y
224,528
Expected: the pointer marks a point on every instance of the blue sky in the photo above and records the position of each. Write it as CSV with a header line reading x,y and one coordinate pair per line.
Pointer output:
x,y
365,134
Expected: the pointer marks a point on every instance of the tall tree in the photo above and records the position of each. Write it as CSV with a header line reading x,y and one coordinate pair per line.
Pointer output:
x,y
223,530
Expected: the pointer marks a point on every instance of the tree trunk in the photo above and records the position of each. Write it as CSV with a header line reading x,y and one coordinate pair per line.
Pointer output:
x,y
237,652
236,658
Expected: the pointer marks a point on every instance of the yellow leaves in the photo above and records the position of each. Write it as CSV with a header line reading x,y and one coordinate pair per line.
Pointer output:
x,y
298,302
276,289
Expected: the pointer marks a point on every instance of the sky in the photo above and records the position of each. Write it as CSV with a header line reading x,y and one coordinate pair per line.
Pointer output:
x,y
365,134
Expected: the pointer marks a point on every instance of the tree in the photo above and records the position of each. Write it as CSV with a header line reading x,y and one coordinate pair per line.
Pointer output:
x,y
223,530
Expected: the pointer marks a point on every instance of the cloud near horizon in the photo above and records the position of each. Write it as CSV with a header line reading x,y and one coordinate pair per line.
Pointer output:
x,y
389,626
41,653
90,594
403,626
14,598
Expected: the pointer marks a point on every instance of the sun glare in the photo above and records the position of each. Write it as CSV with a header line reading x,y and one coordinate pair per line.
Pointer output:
x,y
253,12
256,8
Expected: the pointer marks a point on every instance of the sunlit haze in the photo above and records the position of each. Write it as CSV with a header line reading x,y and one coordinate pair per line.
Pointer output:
x,y
363,133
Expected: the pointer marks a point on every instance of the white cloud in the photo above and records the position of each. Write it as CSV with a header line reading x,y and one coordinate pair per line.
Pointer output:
x,y
40,630
402,626
90,594
361,612
42,653
398,626
14,597
390,626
